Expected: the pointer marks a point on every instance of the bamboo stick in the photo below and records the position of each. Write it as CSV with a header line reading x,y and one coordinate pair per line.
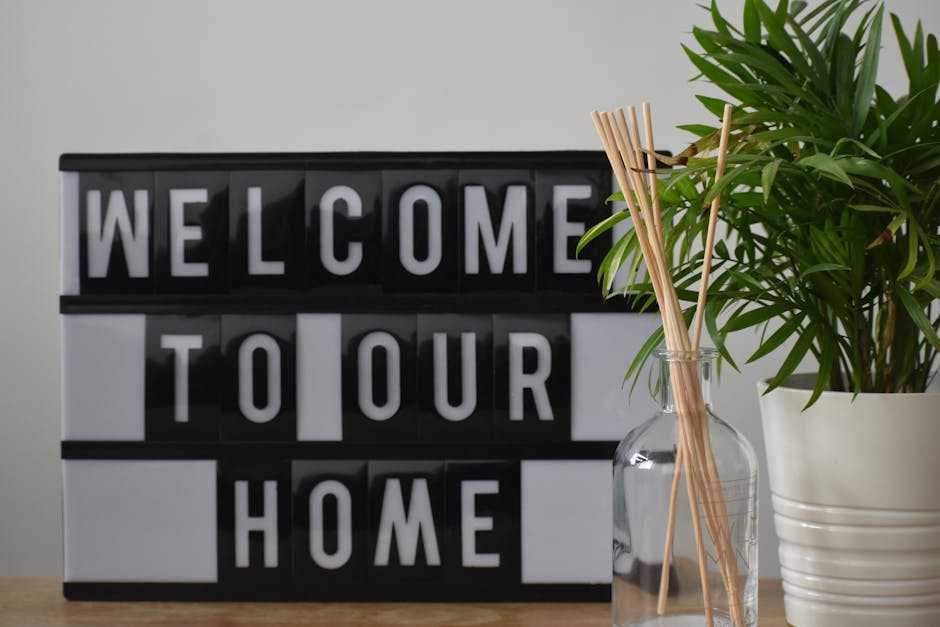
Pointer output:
x,y
719,536
670,529
651,166
611,141
677,338
624,149
656,264
624,172
689,439
635,128
712,221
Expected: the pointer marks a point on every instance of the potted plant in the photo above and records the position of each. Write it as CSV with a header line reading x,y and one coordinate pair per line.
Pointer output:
x,y
830,211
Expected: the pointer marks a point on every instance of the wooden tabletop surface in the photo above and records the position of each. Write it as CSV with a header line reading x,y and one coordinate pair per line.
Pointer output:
x,y
39,602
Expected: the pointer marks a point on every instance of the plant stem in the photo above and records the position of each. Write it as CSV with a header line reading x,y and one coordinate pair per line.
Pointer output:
x,y
835,375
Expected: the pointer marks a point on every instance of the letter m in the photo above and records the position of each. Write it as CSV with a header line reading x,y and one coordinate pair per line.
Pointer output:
x,y
478,225
408,527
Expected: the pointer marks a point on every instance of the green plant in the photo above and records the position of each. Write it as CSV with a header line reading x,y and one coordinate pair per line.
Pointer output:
x,y
829,204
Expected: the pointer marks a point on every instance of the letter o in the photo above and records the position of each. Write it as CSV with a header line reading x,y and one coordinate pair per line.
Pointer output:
x,y
246,392
343,552
406,229
367,347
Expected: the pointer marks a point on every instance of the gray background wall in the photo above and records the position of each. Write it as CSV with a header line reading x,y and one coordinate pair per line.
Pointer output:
x,y
280,75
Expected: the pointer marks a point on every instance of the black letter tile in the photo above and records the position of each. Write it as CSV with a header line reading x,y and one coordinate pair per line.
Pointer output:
x,y
334,491
178,347
109,262
201,230
278,262
464,420
527,381
248,518
581,196
373,410
420,258
251,410
350,202
488,233
409,495
493,550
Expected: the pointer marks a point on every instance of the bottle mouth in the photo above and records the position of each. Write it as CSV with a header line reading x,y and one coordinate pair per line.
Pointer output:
x,y
665,354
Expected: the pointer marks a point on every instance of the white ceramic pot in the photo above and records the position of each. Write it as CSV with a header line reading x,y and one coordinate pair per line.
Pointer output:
x,y
856,496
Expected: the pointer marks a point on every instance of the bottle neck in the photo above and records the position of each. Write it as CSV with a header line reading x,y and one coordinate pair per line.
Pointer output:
x,y
687,372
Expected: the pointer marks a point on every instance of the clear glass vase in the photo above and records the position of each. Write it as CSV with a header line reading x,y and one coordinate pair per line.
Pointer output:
x,y
725,515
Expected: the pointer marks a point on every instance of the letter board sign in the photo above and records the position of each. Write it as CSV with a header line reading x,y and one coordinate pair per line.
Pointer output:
x,y
346,376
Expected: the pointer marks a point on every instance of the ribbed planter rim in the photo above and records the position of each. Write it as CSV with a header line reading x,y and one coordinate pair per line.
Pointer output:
x,y
848,503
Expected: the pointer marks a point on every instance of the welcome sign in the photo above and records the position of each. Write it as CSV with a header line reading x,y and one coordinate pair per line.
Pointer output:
x,y
339,376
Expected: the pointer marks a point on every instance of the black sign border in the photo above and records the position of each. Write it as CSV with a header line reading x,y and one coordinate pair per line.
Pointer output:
x,y
366,299
388,591
366,160
377,450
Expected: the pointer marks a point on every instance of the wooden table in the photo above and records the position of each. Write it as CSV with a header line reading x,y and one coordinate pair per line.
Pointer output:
x,y
39,602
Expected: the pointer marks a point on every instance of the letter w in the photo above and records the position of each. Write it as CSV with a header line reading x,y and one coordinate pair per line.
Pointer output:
x,y
116,218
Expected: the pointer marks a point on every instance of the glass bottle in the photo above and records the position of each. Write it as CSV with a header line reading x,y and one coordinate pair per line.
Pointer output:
x,y
643,484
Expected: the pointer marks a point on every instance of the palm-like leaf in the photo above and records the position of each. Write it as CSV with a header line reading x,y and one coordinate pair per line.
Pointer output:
x,y
830,200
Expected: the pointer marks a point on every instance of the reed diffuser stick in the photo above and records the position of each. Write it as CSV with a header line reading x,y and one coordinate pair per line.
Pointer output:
x,y
670,529
719,172
714,503
622,157
651,166
712,222
623,145
649,198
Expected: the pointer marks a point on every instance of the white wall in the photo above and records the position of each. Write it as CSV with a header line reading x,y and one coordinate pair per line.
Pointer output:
x,y
212,76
